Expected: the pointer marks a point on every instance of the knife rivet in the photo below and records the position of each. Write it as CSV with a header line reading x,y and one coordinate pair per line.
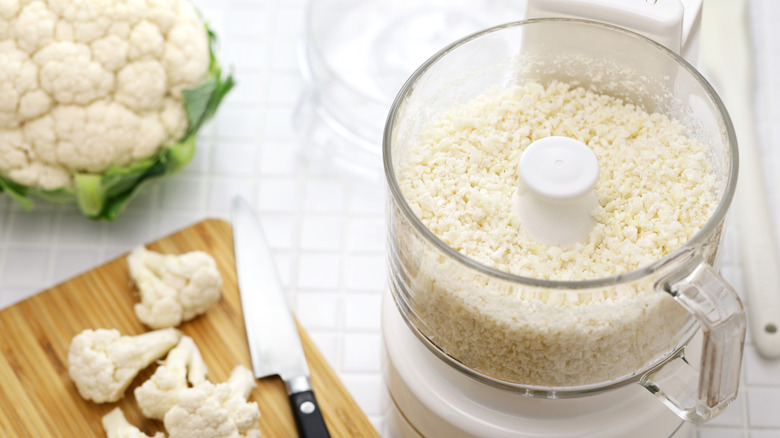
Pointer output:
x,y
307,407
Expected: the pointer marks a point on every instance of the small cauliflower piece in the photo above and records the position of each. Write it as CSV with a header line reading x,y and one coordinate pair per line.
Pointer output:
x,y
103,362
116,426
173,288
158,394
216,411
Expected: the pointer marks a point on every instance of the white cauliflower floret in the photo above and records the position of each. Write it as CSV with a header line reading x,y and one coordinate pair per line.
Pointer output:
x,y
134,54
146,41
70,76
158,394
141,85
110,51
18,78
68,130
173,288
102,363
116,426
216,411
34,26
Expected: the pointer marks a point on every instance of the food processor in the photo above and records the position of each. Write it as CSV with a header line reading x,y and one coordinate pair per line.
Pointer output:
x,y
669,346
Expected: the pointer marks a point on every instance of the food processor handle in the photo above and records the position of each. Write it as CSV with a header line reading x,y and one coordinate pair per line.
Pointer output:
x,y
698,396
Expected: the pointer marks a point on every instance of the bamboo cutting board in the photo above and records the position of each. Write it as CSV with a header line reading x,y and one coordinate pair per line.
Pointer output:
x,y
38,399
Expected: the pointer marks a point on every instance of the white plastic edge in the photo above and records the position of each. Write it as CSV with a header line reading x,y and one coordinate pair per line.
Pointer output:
x,y
673,23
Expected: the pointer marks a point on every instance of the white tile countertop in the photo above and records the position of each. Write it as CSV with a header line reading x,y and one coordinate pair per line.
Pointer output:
x,y
327,229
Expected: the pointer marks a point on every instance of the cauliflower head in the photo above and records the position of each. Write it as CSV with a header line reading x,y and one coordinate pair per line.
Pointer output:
x,y
103,362
173,288
99,97
216,411
183,364
116,426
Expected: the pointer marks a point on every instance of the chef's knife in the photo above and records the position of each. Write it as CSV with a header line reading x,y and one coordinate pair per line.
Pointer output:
x,y
274,343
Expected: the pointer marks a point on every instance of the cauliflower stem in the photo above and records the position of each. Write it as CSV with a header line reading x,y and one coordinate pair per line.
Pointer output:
x,y
116,426
102,363
158,394
104,196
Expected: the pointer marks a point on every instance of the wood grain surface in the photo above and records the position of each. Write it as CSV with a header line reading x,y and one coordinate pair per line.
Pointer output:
x,y
38,399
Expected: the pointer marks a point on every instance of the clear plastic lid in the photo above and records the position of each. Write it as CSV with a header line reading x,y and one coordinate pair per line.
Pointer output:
x,y
357,54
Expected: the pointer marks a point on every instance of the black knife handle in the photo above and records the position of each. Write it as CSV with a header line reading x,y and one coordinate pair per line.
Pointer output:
x,y
308,417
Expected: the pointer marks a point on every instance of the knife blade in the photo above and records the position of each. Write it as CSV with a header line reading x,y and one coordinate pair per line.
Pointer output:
x,y
274,342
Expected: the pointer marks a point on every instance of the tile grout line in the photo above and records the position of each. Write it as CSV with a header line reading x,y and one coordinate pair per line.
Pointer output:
x,y
53,246
343,268
264,79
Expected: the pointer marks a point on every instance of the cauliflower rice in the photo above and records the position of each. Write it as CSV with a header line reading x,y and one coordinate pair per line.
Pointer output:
x,y
655,191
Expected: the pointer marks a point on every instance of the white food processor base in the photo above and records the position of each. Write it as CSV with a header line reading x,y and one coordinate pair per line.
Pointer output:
x,y
431,399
